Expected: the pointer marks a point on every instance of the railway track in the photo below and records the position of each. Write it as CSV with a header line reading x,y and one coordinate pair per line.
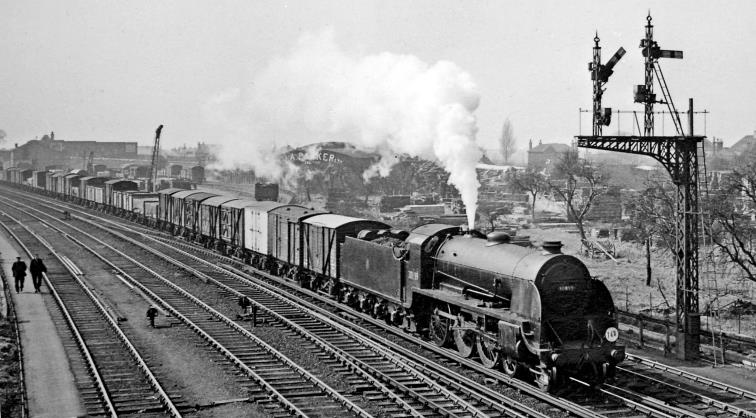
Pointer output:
x,y
618,401
280,384
688,391
113,377
388,374
420,395
365,353
556,404
607,404
736,342
625,401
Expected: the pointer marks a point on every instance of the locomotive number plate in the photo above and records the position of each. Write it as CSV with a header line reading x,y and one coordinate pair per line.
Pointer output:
x,y
611,334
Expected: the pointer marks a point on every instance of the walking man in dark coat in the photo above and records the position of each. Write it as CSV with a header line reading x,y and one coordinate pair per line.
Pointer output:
x,y
36,268
19,274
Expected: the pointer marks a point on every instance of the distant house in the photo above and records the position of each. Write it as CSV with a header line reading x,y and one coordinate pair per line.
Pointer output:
x,y
545,154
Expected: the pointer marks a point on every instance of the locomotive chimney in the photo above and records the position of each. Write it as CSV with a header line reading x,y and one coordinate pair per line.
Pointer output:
x,y
552,247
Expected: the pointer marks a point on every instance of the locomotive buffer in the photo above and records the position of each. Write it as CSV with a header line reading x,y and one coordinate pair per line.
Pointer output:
x,y
679,156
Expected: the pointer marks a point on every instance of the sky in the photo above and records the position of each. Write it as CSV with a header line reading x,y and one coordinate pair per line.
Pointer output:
x,y
114,70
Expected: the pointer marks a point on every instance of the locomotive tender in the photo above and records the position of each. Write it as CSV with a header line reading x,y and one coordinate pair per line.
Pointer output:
x,y
530,312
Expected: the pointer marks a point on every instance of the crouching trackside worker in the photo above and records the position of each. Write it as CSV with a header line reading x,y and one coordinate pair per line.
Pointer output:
x,y
19,274
245,304
151,314
248,310
36,268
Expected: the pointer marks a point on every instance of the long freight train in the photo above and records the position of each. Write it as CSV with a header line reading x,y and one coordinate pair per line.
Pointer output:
x,y
530,312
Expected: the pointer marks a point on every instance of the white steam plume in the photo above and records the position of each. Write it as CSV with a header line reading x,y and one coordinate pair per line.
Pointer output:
x,y
392,104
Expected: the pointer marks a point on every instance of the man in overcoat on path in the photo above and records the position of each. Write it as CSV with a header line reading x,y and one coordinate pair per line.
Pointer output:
x,y
36,268
19,274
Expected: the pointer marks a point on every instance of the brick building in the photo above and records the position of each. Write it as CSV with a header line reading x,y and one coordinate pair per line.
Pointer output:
x,y
49,151
545,154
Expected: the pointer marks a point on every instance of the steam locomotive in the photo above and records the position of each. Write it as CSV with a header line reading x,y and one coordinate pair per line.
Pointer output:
x,y
529,312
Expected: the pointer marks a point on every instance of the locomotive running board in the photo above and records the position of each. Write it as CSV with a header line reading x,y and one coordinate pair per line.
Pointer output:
x,y
461,301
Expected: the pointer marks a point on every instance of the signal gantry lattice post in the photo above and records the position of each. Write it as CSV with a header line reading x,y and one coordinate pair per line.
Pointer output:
x,y
679,156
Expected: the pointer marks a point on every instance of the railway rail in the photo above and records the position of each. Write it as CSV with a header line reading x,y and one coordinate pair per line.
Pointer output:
x,y
418,371
119,380
692,392
727,402
420,389
556,403
611,403
426,396
292,388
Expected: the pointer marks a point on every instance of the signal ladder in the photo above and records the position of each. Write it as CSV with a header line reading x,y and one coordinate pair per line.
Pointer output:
x,y
710,272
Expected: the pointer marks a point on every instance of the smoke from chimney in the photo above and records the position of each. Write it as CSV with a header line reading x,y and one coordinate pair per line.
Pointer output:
x,y
389,103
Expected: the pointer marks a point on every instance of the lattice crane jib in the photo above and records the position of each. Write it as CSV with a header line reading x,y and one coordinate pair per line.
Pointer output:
x,y
155,159
90,164
679,156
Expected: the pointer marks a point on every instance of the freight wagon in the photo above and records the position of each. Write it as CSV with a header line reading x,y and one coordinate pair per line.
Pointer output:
x,y
39,179
95,191
210,215
59,181
192,214
118,185
140,203
25,175
284,229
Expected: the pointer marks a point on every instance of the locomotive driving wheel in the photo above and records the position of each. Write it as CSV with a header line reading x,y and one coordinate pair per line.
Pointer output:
x,y
440,325
488,352
464,337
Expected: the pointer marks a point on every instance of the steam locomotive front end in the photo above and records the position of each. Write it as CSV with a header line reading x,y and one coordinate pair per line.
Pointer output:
x,y
578,321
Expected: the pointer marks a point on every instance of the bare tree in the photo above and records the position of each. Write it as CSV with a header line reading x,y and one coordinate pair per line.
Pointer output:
x,y
652,212
529,181
652,219
731,229
578,182
507,140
